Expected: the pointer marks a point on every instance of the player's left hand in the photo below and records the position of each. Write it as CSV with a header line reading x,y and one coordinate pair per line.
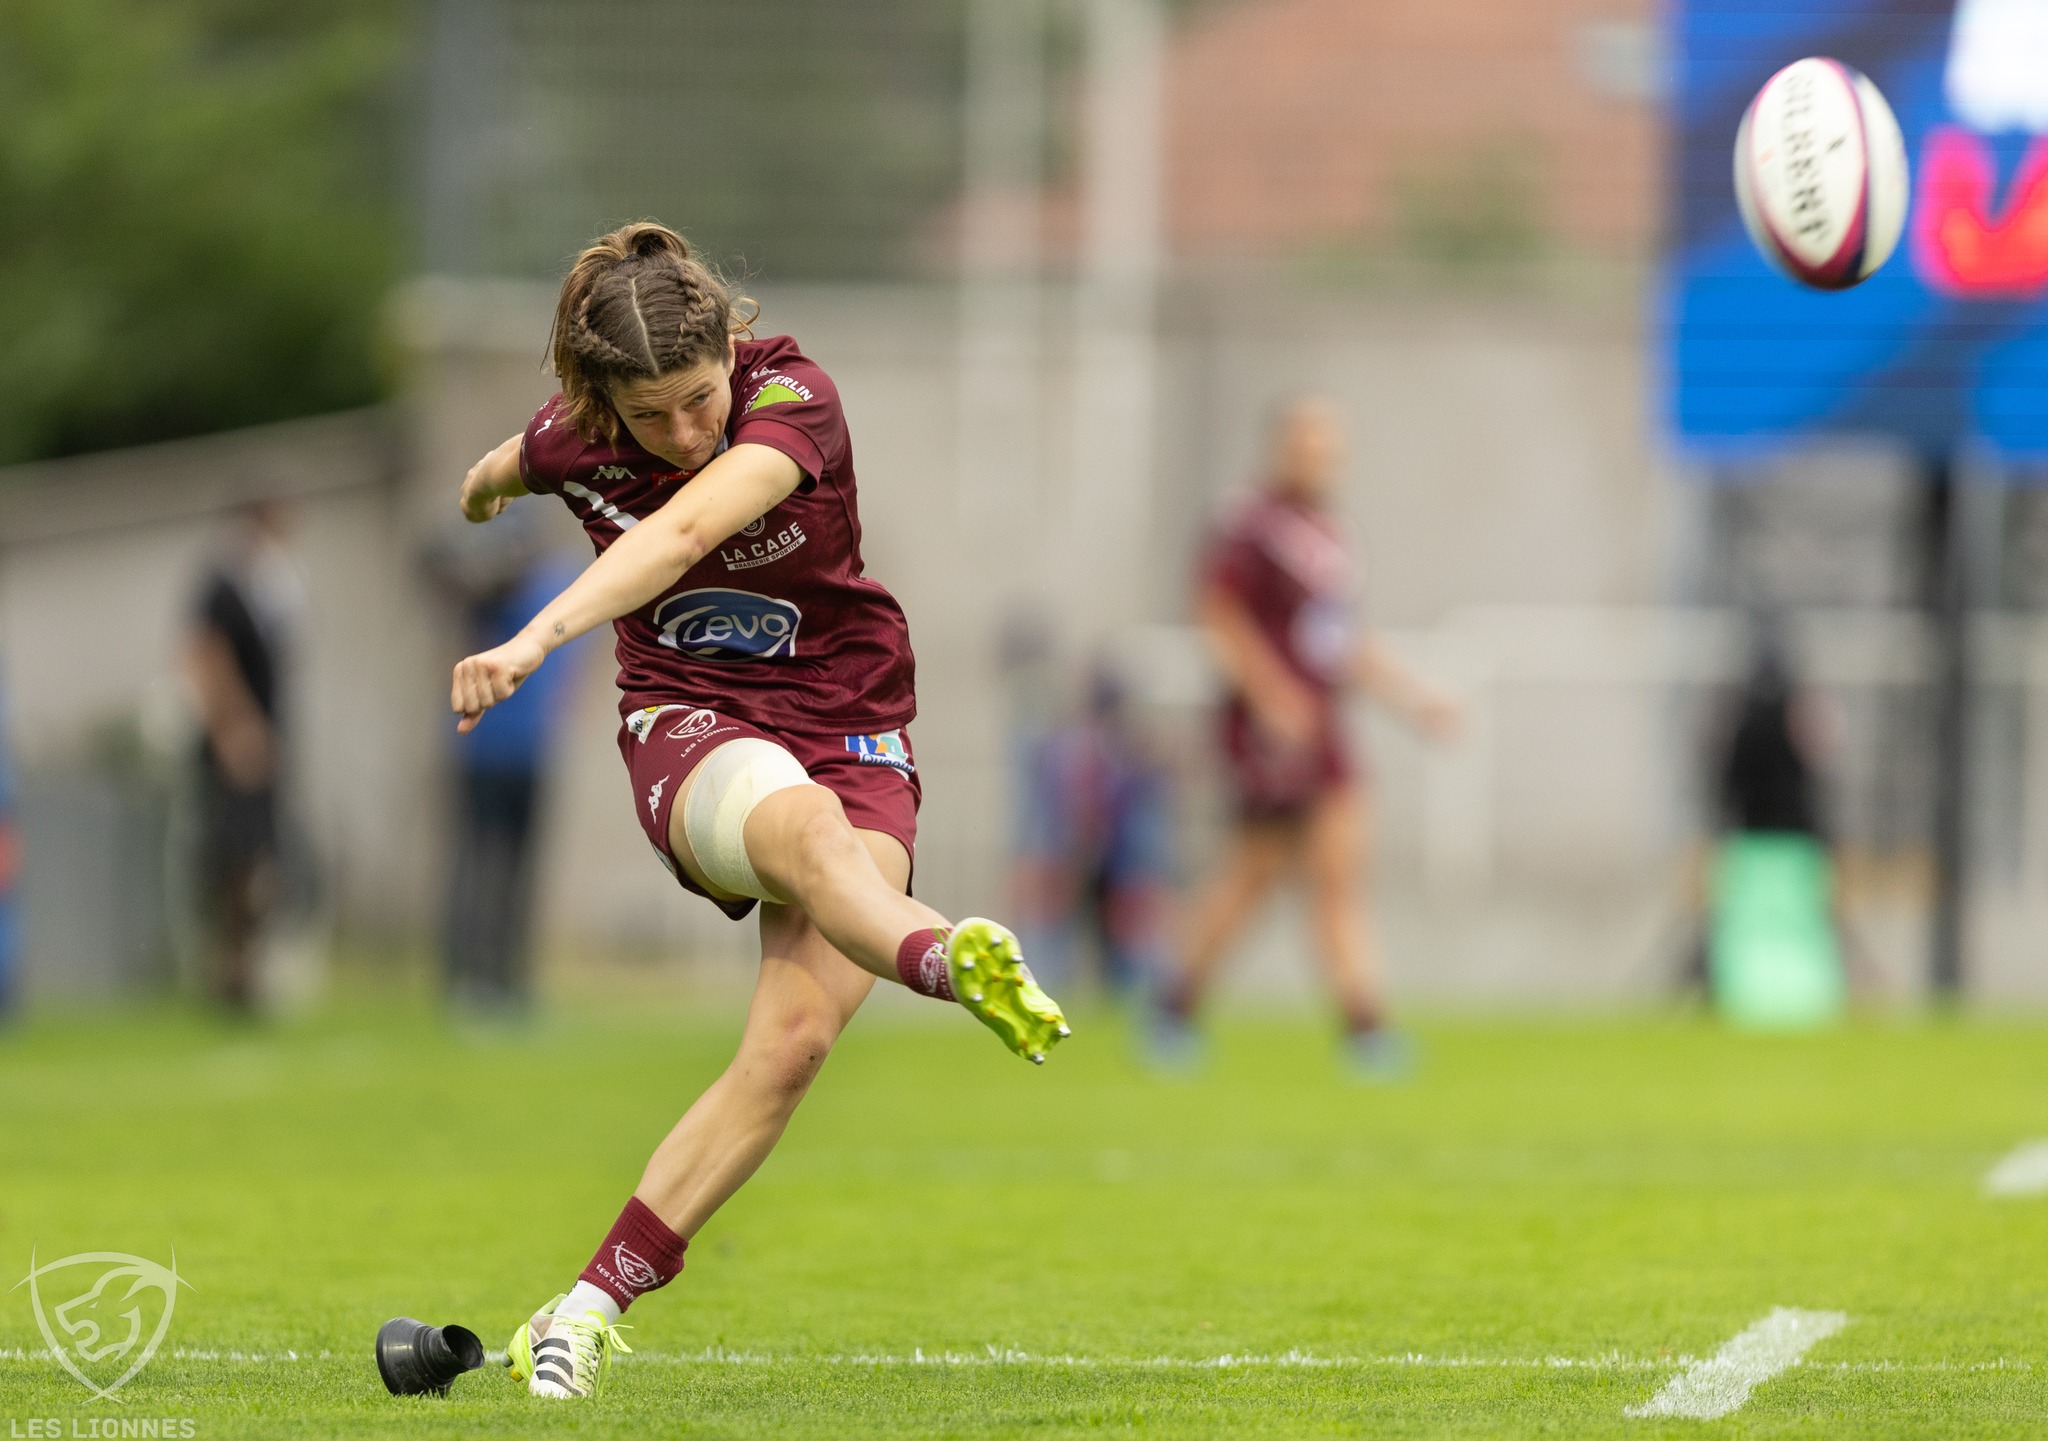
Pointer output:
x,y
484,679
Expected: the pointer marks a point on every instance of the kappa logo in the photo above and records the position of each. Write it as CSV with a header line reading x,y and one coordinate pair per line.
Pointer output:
x,y
728,625
97,1335
613,472
654,797
696,723
634,1271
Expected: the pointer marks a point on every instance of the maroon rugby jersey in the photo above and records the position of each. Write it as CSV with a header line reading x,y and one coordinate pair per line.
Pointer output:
x,y
777,626
1286,564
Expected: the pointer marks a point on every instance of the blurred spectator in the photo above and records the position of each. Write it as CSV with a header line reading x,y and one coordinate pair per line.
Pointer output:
x,y
502,578
1276,604
1094,851
236,657
10,869
1773,955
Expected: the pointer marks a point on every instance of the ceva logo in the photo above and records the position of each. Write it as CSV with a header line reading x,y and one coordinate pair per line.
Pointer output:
x,y
728,625
1996,83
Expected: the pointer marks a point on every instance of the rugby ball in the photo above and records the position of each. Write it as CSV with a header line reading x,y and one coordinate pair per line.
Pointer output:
x,y
1820,174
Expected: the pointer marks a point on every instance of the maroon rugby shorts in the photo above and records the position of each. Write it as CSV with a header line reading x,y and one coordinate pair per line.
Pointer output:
x,y
1273,781
874,776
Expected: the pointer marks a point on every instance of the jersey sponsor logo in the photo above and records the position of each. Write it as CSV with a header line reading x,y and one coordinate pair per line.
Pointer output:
x,y
886,749
728,625
1322,635
776,388
755,526
762,552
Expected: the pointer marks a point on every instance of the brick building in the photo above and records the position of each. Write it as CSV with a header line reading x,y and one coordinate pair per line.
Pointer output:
x,y
1487,124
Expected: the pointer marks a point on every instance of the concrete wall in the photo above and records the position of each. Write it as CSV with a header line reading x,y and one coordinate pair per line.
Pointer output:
x,y
1517,527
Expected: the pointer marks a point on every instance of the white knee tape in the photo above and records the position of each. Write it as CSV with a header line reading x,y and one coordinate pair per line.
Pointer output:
x,y
724,790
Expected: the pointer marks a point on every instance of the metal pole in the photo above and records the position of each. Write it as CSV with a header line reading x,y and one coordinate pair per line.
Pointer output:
x,y
1948,597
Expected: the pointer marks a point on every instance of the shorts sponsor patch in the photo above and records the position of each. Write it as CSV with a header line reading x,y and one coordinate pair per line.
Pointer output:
x,y
886,749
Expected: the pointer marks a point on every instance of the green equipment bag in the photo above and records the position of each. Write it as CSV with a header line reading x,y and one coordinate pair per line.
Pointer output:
x,y
1773,957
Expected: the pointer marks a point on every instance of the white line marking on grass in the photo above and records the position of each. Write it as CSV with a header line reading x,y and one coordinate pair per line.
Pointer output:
x,y
2022,1172
1010,1356
1721,1383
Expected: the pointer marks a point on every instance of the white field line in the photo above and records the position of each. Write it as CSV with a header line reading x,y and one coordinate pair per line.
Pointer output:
x,y
1722,1382
1009,1356
2022,1172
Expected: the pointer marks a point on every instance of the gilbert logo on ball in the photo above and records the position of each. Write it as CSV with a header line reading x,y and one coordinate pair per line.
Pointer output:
x,y
1821,175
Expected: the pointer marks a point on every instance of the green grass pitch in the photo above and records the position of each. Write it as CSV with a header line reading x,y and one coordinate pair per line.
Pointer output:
x,y
1534,1235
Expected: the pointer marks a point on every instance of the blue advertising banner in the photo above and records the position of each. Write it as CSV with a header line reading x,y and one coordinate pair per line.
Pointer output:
x,y
1949,342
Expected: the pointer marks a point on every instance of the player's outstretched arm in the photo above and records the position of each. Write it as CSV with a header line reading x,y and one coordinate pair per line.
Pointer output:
x,y
493,483
736,488
1399,686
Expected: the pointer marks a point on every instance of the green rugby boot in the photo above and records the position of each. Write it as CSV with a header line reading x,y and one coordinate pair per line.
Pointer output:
x,y
563,1357
990,979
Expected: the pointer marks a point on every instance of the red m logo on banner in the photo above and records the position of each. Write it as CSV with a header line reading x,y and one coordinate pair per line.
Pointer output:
x,y
1959,247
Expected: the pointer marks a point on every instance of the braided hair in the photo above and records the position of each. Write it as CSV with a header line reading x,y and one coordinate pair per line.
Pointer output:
x,y
637,304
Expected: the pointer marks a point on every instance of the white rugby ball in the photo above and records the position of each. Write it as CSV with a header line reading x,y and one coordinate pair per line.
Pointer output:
x,y
1820,174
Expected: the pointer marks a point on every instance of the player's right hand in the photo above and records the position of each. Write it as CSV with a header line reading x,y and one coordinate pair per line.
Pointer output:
x,y
484,679
479,502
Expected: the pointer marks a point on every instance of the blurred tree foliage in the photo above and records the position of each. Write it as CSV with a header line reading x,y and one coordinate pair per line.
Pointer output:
x,y
198,214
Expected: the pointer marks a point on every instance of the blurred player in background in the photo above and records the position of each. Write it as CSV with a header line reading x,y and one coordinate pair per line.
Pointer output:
x,y
502,769
1276,602
236,657
1094,858
766,685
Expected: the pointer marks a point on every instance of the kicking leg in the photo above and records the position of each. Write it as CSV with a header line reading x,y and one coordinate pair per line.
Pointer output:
x,y
748,822
806,994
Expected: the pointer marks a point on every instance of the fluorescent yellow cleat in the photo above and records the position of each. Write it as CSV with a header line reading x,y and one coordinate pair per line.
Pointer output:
x,y
562,1356
990,979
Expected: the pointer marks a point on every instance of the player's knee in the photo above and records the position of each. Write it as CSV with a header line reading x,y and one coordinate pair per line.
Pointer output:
x,y
788,1060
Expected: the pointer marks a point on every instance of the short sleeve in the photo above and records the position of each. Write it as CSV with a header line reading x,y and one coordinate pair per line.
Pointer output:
x,y
1232,563
793,406
548,449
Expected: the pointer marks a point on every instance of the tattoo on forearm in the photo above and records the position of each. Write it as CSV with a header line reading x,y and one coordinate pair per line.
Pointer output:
x,y
560,630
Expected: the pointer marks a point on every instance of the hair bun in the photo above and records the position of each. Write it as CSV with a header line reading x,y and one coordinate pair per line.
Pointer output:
x,y
649,241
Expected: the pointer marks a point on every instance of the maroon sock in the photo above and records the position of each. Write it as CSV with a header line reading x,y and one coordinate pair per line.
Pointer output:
x,y
921,962
641,1254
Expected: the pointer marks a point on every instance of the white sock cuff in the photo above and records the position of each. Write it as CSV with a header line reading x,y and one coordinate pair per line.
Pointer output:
x,y
584,1297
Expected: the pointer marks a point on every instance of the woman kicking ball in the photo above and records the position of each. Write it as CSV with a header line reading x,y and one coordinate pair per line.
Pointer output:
x,y
766,683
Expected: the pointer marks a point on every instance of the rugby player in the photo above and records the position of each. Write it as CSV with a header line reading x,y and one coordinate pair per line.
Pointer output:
x,y
1275,604
766,686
